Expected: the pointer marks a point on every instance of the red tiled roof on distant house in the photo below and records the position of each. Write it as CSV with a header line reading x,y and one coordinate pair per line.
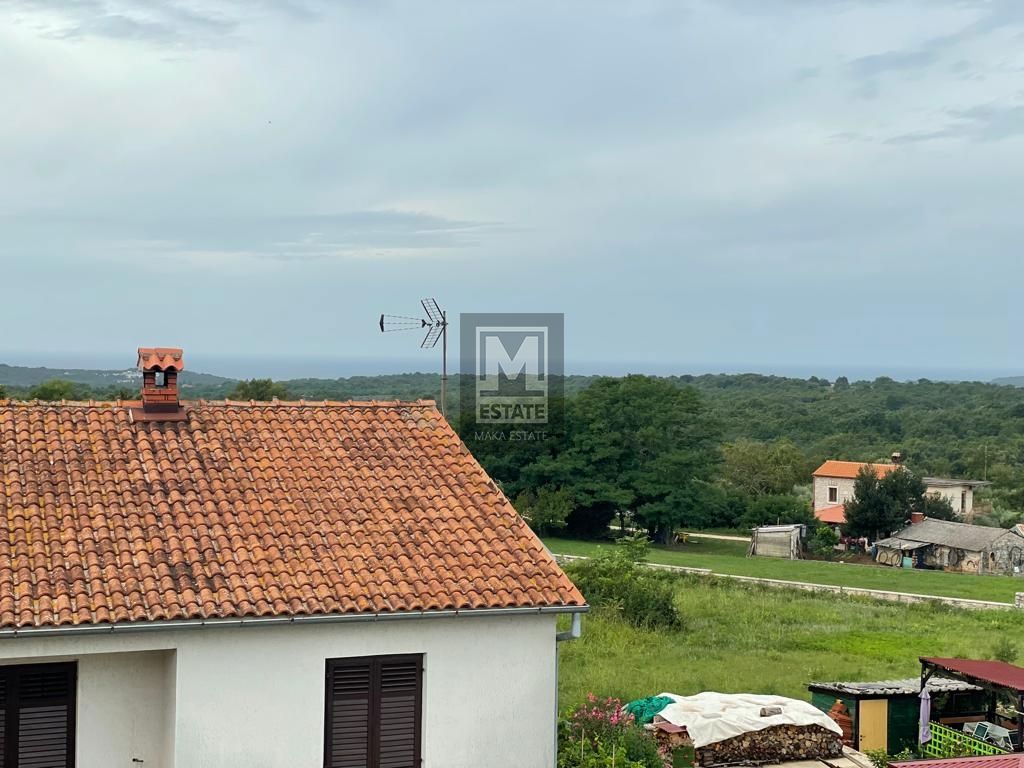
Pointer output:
x,y
850,469
833,515
254,510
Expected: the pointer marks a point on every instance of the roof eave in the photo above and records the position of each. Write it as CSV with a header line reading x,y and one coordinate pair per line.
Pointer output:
x,y
268,621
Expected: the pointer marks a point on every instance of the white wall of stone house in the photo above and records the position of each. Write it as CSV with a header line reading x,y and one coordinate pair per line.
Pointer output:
x,y
253,697
844,490
954,495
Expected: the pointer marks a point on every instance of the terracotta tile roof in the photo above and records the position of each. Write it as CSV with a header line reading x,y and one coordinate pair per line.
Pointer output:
x,y
850,469
835,514
161,358
247,509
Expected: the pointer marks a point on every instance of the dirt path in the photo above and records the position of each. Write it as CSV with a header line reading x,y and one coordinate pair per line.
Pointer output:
x,y
718,536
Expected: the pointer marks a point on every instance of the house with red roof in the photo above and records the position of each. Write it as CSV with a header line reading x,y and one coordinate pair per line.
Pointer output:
x,y
833,486
297,584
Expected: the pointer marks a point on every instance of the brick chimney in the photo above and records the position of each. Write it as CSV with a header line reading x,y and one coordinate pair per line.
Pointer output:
x,y
160,367
916,517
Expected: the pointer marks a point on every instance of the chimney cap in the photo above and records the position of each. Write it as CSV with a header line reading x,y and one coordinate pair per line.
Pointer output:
x,y
161,359
916,517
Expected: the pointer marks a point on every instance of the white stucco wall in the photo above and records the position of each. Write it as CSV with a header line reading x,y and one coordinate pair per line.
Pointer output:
x,y
253,697
953,495
123,701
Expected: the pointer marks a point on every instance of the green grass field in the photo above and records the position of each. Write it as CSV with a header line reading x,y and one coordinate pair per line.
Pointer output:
x,y
745,638
729,557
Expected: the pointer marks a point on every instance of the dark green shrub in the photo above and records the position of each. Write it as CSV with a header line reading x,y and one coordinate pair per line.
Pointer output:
x,y
616,578
824,541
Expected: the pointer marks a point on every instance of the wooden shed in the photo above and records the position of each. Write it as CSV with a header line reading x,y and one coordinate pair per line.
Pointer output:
x,y
885,713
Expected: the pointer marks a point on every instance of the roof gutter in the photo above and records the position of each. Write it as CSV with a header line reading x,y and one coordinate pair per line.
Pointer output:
x,y
272,621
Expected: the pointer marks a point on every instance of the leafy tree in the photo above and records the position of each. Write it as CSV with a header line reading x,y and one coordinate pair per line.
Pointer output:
x,y
872,511
639,444
777,509
937,507
824,541
883,505
3,392
57,389
263,390
764,468
545,509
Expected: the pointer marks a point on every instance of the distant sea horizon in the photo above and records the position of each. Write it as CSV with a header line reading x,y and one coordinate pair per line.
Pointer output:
x,y
302,367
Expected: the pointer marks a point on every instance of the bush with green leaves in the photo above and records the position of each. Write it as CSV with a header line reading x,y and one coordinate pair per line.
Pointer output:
x,y
546,509
598,734
824,541
616,579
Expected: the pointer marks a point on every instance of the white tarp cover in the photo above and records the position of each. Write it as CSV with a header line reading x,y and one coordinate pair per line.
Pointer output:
x,y
712,717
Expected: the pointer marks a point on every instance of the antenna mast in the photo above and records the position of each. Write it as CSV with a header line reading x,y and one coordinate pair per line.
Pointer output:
x,y
436,323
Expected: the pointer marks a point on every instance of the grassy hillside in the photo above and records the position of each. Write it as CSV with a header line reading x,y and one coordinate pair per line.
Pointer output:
x,y
737,638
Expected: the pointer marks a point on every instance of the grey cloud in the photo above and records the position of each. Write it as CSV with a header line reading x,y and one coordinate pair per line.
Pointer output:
x,y
893,61
172,23
274,238
983,123
994,15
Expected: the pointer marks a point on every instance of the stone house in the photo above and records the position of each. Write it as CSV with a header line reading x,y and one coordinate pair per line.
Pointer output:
x,y
951,546
833,484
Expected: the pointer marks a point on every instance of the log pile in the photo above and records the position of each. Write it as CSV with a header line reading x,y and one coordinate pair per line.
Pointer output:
x,y
772,745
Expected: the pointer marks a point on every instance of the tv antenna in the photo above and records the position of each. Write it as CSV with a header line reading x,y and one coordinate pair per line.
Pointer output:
x,y
436,323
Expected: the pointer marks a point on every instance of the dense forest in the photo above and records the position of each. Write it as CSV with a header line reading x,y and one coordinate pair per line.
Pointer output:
x,y
708,451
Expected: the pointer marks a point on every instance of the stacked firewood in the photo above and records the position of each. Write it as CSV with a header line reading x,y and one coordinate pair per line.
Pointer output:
x,y
771,745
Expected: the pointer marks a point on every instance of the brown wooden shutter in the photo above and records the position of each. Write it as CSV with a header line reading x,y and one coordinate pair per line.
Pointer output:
x,y
348,715
372,717
38,716
399,719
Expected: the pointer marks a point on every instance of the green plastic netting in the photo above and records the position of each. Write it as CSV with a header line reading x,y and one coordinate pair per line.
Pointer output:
x,y
644,710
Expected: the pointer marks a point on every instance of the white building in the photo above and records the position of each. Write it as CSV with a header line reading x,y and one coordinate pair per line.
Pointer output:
x,y
219,585
959,493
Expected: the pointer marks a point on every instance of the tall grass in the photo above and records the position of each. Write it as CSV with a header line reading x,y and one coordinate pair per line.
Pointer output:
x,y
739,638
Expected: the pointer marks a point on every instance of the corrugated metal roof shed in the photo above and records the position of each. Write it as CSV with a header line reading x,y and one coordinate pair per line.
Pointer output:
x,y
975,538
883,688
997,673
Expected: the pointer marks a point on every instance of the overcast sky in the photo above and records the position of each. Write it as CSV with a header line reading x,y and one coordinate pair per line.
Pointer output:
x,y
695,184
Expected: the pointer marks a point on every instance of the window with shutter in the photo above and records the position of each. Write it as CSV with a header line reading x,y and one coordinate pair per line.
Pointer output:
x,y
372,717
37,725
